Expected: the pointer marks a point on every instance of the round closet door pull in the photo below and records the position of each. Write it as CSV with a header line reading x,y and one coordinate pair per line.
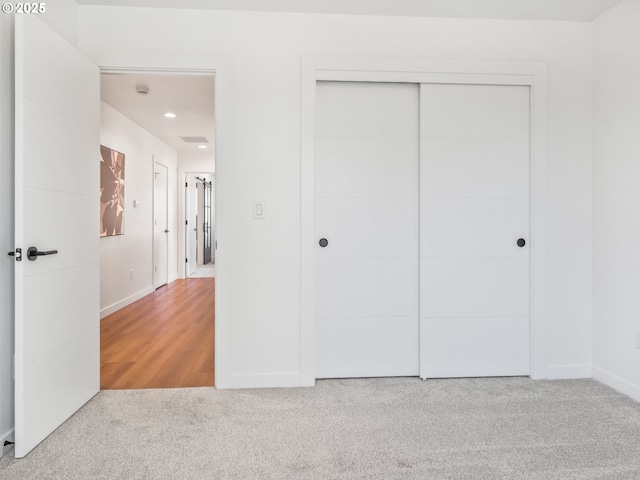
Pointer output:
x,y
521,243
323,242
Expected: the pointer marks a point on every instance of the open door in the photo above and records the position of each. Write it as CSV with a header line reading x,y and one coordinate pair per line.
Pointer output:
x,y
160,227
206,227
57,364
191,240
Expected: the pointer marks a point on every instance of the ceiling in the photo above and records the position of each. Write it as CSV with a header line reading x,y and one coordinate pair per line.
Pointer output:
x,y
570,10
190,97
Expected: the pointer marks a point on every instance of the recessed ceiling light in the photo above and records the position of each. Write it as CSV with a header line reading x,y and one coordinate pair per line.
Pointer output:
x,y
202,146
170,115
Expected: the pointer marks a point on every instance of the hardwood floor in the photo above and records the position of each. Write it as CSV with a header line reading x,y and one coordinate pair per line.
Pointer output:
x,y
163,340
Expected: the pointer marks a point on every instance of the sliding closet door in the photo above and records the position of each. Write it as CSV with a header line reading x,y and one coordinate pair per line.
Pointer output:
x,y
474,217
367,156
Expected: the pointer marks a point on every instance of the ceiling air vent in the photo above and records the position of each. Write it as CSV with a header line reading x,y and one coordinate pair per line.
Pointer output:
x,y
195,139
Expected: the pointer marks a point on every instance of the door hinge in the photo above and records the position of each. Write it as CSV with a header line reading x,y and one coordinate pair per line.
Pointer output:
x,y
186,222
17,254
186,260
186,184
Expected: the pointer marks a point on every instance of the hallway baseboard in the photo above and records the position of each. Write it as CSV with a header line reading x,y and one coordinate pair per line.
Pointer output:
x,y
123,303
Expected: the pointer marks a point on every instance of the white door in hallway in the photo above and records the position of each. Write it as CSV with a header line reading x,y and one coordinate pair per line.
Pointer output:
x,y
57,331
191,226
366,197
474,215
160,226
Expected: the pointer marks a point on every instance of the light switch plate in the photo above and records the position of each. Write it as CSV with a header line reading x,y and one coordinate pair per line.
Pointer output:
x,y
259,211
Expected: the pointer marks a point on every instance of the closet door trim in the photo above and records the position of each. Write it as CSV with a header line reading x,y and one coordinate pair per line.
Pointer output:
x,y
533,74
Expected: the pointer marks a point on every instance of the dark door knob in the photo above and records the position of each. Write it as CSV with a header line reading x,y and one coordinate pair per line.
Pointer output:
x,y
33,253
521,242
323,242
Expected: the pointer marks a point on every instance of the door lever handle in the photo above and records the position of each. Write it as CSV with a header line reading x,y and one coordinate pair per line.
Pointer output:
x,y
33,253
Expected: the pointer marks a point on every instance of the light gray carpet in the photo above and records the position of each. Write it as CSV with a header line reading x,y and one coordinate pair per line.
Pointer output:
x,y
400,428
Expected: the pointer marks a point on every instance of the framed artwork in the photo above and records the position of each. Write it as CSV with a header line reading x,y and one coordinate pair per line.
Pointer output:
x,y
111,192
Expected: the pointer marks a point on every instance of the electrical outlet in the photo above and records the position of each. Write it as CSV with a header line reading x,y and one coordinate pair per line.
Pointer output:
x,y
638,339
131,274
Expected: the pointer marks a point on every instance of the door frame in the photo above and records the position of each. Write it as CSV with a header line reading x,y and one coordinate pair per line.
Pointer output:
x,y
220,68
166,260
185,245
398,70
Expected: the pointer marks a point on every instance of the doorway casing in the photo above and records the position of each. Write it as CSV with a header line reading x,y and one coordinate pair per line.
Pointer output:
x,y
532,74
219,68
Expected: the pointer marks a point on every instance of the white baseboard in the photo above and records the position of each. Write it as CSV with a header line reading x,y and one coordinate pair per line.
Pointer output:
x,y
567,372
617,383
123,303
173,278
7,436
260,380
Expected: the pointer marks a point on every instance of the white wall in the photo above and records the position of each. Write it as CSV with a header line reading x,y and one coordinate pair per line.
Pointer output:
x,y
62,17
265,51
134,250
616,198
7,232
197,161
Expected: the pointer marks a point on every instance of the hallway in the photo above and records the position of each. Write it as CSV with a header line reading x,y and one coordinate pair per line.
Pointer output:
x,y
204,271
164,340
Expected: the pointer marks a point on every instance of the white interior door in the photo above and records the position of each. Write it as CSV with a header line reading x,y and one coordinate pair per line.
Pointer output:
x,y
191,226
206,220
160,226
212,215
366,298
200,221
56,209
474,184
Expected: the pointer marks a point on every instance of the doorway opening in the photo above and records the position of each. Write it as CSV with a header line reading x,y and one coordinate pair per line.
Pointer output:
x,y
199,234
157,327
